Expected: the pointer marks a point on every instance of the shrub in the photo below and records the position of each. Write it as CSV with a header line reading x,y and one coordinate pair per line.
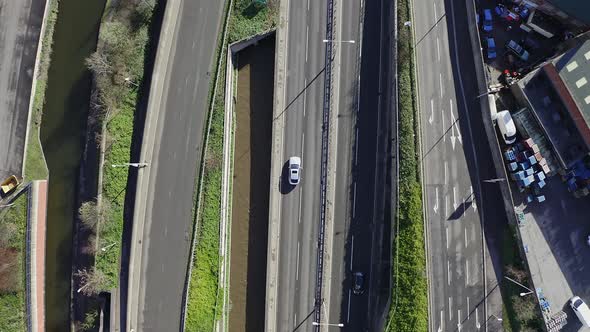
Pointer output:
x,y
409,308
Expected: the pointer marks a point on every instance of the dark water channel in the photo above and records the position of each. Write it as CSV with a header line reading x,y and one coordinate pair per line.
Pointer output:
x,y
251,180
62,137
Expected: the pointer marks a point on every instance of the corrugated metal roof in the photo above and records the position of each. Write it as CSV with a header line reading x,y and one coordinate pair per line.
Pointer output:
x,y
574,69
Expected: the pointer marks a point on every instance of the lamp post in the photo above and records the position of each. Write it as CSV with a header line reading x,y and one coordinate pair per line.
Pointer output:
x,y
81,288
490,91
521,285
525,294
327,324
7,205
128,80
104,249
496,317
494,180
339,41
137,165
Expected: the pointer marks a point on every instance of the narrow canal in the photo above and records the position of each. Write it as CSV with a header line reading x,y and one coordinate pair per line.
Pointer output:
x,y
251,180
62,137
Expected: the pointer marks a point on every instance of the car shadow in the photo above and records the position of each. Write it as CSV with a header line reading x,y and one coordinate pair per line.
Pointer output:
x,y
284,186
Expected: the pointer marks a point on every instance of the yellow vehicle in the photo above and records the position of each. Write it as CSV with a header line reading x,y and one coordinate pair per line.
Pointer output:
x,y
9,185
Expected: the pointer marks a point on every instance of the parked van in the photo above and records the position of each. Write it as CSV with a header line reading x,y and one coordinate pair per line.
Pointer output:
x,y
506,126
492,102
581,310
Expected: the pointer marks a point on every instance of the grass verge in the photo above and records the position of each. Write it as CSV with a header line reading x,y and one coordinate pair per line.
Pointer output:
x,y
409,309
13,224
521,313
35,165
204,298
118,68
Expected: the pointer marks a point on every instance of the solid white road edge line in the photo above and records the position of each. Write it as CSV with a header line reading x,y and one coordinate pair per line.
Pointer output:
x,y
351,251
297,268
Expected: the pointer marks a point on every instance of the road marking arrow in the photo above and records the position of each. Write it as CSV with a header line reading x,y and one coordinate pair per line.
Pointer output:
x,y
435,208
449,281
453,137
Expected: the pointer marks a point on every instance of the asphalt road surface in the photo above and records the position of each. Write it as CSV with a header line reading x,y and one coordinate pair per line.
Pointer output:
x,y
166,239
20,25
302,137
361,222
456,159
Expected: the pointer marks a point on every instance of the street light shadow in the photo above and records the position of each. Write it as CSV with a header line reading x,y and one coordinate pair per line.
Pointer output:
x,y
431,28
304,320
481,321
440,138
461,208
300,93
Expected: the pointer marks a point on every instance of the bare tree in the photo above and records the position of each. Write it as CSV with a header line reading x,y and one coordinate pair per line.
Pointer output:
x,y
99,63
91,281
89,322
92,215
89,214
90,248
516,273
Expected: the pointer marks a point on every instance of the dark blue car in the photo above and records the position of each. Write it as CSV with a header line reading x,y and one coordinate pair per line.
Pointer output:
x,y
487,20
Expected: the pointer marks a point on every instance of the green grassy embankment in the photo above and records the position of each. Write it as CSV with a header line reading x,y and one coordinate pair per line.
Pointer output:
x,y
35,165
118,68
521,313
409,308
13,224
204,299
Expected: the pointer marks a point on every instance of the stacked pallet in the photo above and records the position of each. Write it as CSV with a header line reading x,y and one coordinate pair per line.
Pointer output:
x,y
528,168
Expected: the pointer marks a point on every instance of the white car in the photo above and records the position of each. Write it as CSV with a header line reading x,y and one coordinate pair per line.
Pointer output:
x,y
294,170
507,127
581,310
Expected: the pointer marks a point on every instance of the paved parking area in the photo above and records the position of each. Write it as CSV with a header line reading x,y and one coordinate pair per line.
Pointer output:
x,y
504,31
554,235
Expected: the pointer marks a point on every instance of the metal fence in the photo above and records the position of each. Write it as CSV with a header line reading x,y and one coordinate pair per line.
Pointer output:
x,y
28,258
324,160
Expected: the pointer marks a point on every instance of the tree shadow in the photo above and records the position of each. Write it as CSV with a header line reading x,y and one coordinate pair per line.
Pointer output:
x,y
252,10
136,142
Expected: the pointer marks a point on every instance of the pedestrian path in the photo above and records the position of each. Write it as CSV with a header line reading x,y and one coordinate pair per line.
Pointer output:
x,y
37,222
